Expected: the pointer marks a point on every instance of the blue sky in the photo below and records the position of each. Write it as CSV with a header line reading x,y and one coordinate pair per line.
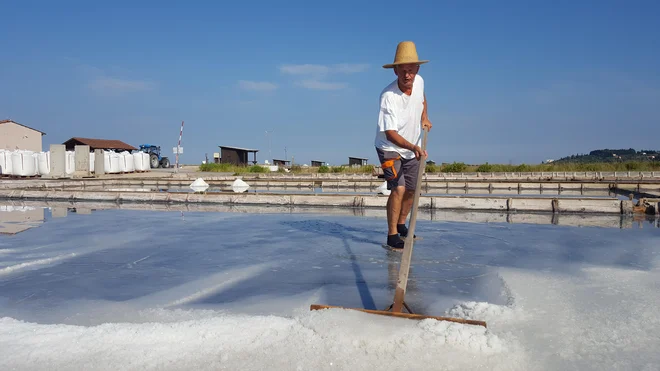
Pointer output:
x,y
515,81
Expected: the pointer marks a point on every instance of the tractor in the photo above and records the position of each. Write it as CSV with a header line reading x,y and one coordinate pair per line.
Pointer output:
x,y
155,159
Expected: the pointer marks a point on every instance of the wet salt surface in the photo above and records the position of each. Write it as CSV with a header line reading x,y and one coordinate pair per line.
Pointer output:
x,y
365,191
148,289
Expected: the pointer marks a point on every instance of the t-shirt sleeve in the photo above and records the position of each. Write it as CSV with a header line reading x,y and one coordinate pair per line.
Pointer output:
x,y
419,81
387,118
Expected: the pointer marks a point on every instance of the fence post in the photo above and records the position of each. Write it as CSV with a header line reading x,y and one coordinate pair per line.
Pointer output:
x,y
81,159
99,162
57,161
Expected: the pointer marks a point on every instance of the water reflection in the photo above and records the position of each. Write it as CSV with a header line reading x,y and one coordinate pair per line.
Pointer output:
x,y
17,219
19,216
364,191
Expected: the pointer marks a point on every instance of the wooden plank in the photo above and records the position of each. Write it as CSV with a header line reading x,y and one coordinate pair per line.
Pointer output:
x,y
404,268
403,315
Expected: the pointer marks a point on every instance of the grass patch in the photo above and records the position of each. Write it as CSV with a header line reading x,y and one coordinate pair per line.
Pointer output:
x,y
455,167
560,167
220,168
230,168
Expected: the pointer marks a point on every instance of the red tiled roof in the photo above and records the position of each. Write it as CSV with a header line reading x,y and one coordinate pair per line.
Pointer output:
x,y
102,143
12,121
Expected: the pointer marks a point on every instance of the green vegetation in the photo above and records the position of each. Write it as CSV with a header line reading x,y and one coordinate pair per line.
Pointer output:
x,y
432,168
597,160
338,169
296,169
229,168
551,167
455,167
612,156
220,168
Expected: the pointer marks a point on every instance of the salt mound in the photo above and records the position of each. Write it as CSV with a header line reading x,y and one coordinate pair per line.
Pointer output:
x,y
239,186
388,334
320,340
199,185
480,311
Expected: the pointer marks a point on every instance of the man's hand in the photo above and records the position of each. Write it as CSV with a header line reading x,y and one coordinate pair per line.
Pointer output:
x,y
426,124
419,153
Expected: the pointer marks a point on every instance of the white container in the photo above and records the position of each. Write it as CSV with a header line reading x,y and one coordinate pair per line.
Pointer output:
x,y
122,162
115,163
146,165
35,158
106,161
70,162
5,162
129,164
23,163
138,160
92,156
147,161
44,162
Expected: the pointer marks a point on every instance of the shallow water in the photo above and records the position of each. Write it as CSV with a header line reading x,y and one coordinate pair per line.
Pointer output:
x,y
514,192
125,254
124,266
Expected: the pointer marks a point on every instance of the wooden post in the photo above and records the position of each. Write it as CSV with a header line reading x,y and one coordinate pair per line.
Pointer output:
x,y
402,282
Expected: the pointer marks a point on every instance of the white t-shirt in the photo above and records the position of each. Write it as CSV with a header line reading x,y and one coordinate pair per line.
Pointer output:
x,y
403,113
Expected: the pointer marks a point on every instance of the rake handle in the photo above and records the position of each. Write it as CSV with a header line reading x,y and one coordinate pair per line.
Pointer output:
x,y
404,268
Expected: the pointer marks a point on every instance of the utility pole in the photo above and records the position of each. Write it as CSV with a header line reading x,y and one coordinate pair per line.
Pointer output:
x,y
268,134
285,158
178,149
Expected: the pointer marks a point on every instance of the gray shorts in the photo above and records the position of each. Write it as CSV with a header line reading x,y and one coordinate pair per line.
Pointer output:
x,y
398,171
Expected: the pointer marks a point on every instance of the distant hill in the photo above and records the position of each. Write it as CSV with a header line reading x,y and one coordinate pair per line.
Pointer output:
x,y
612,155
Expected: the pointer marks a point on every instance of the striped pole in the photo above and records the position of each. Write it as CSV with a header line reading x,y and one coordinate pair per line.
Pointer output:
x,y
178,148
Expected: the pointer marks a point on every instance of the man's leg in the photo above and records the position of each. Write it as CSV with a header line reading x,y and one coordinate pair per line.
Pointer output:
x,y
406,205
394,209
392,171
394,204
409,168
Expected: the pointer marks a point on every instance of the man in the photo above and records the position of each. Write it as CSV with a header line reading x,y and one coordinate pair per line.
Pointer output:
x,y
403,113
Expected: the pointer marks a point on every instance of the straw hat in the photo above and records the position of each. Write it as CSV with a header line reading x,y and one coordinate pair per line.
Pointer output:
x,y
406,52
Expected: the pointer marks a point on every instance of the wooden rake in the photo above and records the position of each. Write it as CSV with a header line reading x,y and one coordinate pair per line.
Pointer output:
x,y
395,309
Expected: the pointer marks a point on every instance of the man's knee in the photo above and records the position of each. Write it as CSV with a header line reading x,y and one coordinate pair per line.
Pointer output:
x,y
397,193
398,190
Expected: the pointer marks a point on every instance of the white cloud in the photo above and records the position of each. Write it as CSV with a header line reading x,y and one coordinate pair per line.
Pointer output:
x,y
320,69
116,85
350,68
304,69
322,85
257,85
315,74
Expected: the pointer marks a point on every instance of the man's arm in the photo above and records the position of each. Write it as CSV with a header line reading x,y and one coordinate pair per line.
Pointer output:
x,y
394,137
400,141
425,116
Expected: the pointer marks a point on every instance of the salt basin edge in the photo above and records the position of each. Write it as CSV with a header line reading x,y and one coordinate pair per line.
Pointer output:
x,y
485,203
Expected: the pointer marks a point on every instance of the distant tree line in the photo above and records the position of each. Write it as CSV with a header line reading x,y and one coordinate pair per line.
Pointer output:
x,y
612,155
